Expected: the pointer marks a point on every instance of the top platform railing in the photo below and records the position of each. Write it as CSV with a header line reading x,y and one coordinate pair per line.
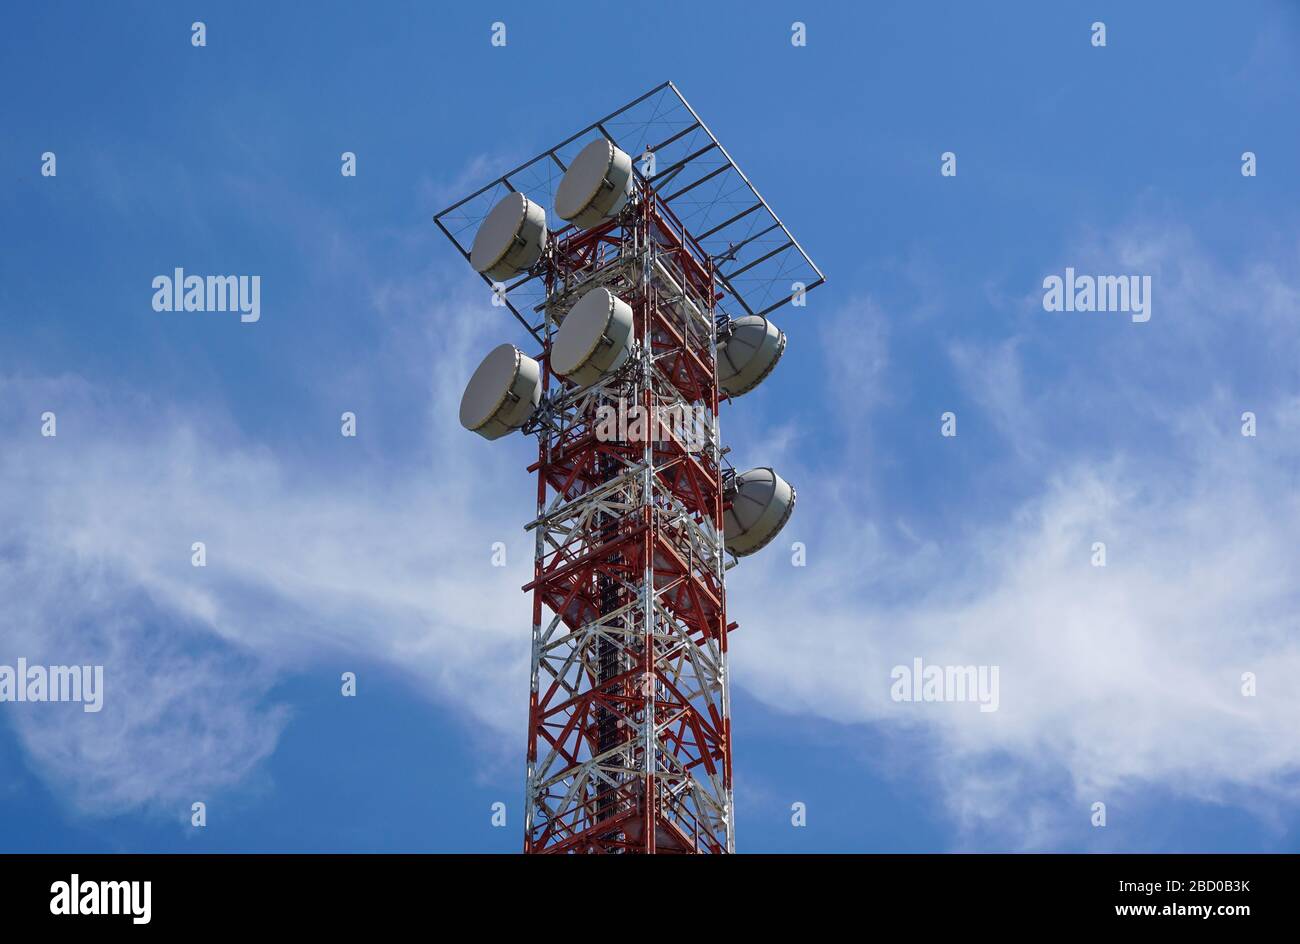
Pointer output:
x,y
758,262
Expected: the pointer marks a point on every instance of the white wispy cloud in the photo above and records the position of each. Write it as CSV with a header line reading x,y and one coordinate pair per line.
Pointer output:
x,y
308,569
1115,681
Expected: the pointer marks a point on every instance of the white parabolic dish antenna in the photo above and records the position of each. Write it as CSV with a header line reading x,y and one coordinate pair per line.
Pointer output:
x,y
594,339
748,354
511,239
760,506
595,186
502,394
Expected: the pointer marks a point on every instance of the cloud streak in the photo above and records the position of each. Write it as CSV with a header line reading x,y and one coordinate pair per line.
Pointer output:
x,y
1116,681
307,567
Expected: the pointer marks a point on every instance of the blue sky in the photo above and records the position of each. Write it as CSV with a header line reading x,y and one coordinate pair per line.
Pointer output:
x,y
1119,684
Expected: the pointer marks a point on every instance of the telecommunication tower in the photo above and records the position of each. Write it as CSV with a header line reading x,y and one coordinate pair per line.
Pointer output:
x,y
648,305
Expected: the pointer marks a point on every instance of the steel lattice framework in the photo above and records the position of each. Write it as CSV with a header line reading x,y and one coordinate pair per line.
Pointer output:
x,y
759,260
629,743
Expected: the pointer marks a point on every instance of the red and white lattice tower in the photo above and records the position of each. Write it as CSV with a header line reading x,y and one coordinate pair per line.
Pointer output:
x,y
638,514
